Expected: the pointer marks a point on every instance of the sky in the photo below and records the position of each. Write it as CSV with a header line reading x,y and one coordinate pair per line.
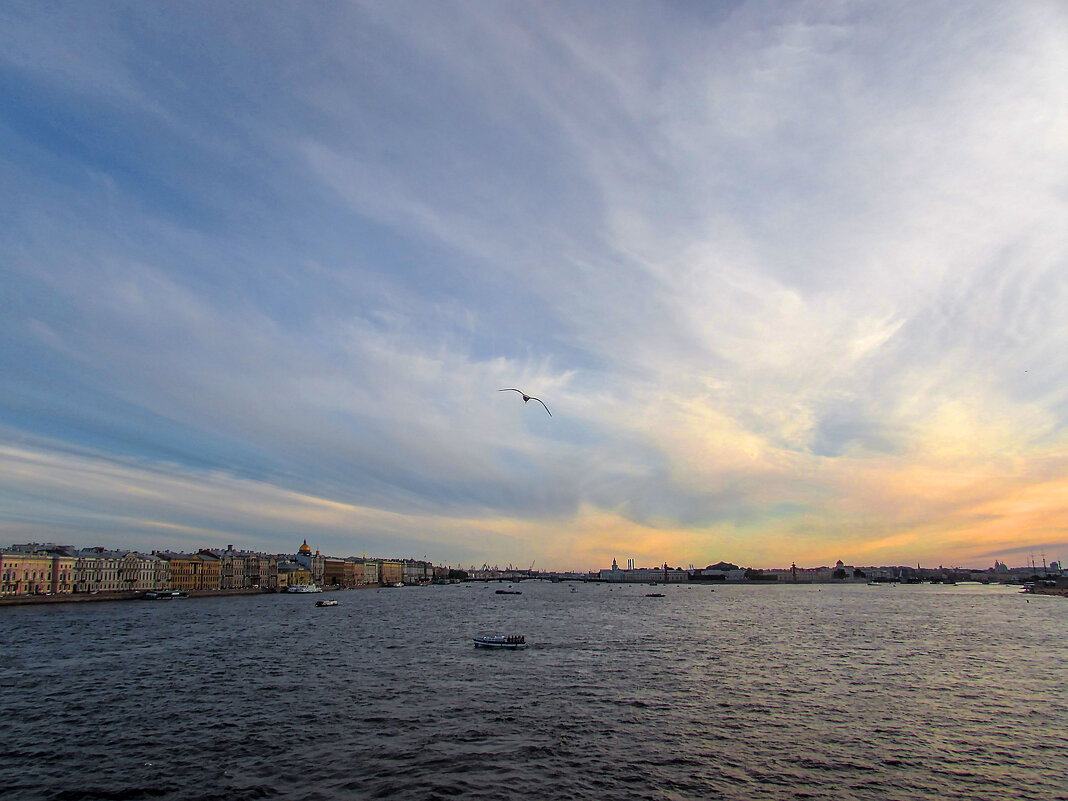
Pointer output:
x,y
791,277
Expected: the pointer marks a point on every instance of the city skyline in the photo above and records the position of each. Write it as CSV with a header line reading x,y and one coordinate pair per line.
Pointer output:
x,y
1033,562
790,277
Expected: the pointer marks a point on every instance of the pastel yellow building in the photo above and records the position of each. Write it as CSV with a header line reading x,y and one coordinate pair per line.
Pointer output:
x,y
63,574
190,572
292,574
211,572
390,572
25,573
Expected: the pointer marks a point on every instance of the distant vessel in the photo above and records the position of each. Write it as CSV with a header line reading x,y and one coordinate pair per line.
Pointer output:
x,y
164,595
304,588
512,641
654,595
397,584
509,592
331,602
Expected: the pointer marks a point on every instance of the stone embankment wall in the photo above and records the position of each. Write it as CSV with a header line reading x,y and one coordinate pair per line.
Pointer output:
x,y
16,600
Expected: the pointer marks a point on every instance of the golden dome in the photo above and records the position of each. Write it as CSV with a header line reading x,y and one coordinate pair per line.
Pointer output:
x,y
304,548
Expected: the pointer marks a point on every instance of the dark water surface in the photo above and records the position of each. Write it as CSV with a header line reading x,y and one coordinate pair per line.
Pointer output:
x,y
852,692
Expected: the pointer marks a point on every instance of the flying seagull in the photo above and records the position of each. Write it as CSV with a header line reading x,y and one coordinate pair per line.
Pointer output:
x,y
526,397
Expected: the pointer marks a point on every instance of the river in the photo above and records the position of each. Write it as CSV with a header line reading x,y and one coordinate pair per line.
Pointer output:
x,y
741,692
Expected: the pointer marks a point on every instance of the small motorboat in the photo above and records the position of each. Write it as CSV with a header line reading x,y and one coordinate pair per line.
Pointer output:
x,y
511,641
331,602
509,592
654,595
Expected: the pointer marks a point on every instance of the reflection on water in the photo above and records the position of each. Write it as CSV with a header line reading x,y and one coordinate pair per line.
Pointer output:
x,y
889,692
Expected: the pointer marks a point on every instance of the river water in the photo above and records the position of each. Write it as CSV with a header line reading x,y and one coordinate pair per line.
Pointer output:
x,y
779,692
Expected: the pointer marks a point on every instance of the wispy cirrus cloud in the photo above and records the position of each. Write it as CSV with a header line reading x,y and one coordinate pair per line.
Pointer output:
x,y
791,278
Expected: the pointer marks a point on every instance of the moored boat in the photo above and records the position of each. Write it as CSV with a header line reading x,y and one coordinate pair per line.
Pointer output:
x,y
509,641
304,588
164,595
331,602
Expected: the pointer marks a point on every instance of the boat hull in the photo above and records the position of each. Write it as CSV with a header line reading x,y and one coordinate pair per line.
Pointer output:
x,y
507,643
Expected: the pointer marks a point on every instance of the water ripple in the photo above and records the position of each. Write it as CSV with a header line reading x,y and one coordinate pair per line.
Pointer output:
x,y
745,693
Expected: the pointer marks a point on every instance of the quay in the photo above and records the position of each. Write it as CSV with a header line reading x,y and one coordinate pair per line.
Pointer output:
x,y
66,598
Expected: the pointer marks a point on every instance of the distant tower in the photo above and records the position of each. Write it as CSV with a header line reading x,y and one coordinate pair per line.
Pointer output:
x,y
614,565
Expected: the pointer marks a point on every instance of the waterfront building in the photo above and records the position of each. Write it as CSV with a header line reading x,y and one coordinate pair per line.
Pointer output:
x,y
98,570
341,572
721,571
315,563
35,569
244,570
361,568
140,572
231,569
291,574
371,572
25,573
390,571
211,572
86,571
417,572
189,572
643,574
613,573
261,570
63,573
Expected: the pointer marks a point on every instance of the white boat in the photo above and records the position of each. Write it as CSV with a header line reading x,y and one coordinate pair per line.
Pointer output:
x,y
304,588
164,595
511,641
331,602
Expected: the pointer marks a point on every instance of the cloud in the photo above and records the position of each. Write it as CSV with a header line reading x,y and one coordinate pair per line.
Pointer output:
x,y
790,278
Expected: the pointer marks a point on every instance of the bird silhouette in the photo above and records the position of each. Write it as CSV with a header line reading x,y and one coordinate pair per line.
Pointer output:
x,y
526,397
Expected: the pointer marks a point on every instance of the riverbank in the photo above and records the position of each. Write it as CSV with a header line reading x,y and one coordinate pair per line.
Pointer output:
x,y
1061,591
22,600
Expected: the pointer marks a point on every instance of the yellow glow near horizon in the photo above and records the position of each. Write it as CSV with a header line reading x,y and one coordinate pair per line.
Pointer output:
x,y
931,505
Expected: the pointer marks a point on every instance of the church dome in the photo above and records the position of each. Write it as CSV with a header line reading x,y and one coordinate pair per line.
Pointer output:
x,y
304,548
